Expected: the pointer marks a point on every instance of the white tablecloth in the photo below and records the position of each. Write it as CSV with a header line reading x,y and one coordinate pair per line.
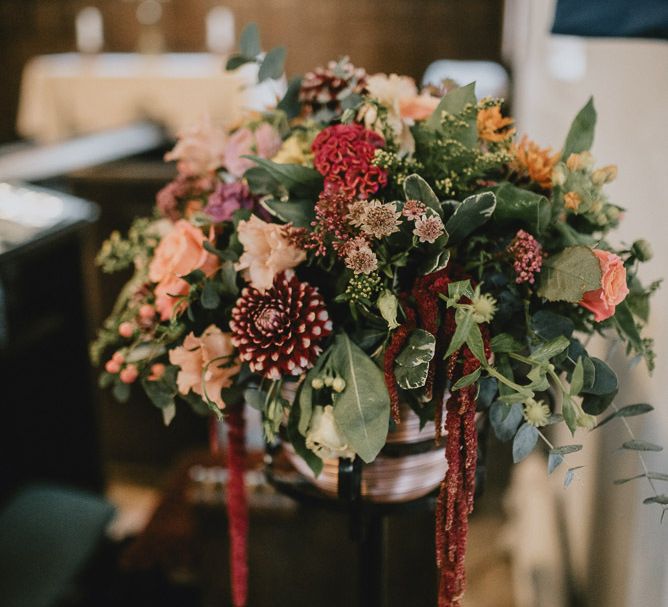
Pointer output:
x,y
71,94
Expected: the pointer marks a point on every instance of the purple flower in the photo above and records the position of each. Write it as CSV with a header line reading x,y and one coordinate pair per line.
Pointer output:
x,y
227,198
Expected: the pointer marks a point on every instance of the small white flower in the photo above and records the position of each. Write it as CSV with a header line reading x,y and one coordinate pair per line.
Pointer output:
x,y
536,413
484,307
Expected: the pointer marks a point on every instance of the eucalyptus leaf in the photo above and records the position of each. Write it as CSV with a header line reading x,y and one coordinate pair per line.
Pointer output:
x,y
236,61
228,276
249,41
272,65
290,102
524,442
656,499
641,445
554,460
627,411
505,419
600,378
581,134
362,410
566,449
473,212
570,475
548,325
210,299
654,476
568,275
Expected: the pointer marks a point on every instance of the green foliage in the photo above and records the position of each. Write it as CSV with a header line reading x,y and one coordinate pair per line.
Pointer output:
x,y
301,181
524,442
412,364
249,41
290,102
473,212
581,134
273,64
362,410
517,206
505,419
568,275
641,445
299,213
416,188
627,411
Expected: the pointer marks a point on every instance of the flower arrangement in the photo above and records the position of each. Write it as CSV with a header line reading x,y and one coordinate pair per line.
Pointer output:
x,y
373,243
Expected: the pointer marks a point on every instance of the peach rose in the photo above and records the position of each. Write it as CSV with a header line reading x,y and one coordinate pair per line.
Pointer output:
x,y
207,364
199,149
264,142
419,107
613,289
180,252
267,252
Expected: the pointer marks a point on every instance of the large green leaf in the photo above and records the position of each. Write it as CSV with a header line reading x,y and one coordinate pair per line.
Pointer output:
x,y
298,212
300,180
416,188
362,410
515,205
470,215
599,378
505,419
568,275
454,103
581,134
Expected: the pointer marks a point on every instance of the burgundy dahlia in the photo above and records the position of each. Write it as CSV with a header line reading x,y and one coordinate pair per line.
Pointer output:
x,y
343,155
279,332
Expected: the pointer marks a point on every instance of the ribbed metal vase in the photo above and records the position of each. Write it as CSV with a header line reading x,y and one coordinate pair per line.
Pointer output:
x,y
408,467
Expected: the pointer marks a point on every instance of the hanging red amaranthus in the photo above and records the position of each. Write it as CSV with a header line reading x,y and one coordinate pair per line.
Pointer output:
x,y
237,506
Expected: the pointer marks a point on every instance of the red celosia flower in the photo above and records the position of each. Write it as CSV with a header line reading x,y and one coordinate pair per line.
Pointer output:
x,y
279,332
343,155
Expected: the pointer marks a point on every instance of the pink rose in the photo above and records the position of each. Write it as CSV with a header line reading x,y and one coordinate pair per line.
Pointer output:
x,y
180,252
419,107
207,364
199,149
264,142
613,289
267,252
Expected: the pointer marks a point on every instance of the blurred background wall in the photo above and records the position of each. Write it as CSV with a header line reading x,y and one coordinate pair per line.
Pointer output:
x,y
401,36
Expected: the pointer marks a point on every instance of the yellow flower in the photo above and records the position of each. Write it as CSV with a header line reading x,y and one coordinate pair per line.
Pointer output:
x,y
493,126
534,161
536,413
605,174
291,152
572,201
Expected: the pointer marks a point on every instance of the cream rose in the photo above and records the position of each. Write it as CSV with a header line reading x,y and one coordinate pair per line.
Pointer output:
x,y
267,252
206,364
323,436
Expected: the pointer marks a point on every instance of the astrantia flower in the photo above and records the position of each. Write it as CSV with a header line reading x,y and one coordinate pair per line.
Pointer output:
x,y
429,228
381,220
528,257
535,162
413,209
361,259
267,252
343,155
279,332
536,413
206,364
493,126
357,212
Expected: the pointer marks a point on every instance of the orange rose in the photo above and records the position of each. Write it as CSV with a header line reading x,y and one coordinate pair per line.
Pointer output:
x,y
419,107
206,364
613,289
179,253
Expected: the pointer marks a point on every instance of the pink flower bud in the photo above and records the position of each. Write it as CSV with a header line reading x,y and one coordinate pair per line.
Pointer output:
x,y
146,312
118,358
157,371
126,329
129,374
112,367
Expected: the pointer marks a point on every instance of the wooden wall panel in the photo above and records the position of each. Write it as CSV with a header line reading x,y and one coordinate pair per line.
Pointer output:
x,y
383,35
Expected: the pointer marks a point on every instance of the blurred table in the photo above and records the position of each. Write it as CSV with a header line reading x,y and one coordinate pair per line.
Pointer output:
x,y
70,94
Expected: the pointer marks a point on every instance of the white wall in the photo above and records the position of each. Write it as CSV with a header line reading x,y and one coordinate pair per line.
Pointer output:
x,y
618,544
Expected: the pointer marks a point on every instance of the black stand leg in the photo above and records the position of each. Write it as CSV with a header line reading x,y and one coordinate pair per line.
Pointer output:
x,y
372,566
